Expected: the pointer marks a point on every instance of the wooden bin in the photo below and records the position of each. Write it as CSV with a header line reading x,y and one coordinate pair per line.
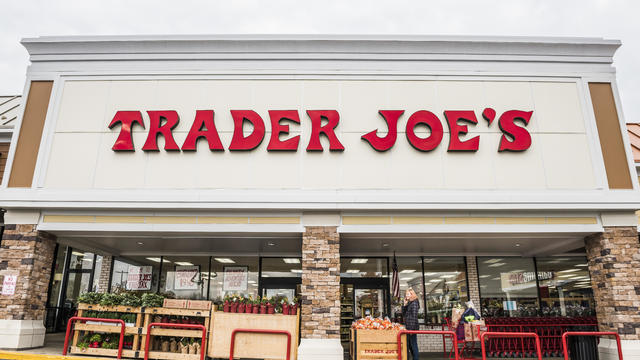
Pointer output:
x,y
149,314
253,346
114,329
376,345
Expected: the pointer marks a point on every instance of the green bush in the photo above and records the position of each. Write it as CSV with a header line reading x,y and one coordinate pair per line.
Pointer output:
x,y
90,298
152,300
130,299
109,299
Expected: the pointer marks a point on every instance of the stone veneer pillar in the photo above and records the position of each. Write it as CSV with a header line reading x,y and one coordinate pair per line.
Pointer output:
x,y
27,253
614,266
105,273
320,294
474,282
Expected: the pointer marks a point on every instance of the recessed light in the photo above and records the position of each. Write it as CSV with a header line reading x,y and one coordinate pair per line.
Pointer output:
x,y
359,261
76,253
271,243
447,276
484,276
296,270
385,244
291,260
353,271
431,273
407,271
452,282
569,270
517,245
154,259
224,260
497,264
582,265
183,263
492,261
140,243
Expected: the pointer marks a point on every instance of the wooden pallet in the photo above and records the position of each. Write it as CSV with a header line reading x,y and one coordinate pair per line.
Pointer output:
x,y
149,313
253,346
376,344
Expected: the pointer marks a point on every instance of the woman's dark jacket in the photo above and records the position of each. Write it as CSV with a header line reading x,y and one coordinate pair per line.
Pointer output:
x,y
410,315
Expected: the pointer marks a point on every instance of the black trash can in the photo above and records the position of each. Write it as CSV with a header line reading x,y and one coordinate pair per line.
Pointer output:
x,y
583,347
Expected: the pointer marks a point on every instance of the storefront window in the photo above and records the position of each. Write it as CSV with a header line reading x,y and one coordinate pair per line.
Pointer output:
x,y
58,273
136,264
363,267
96,274
233,275
565,286
281,267
445,284
409,275
80,268
185,277
508,286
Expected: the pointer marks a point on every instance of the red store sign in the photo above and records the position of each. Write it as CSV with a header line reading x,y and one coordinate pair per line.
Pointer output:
x,y
515,137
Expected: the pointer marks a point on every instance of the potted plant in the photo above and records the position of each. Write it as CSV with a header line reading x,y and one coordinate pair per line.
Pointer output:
x,y
256,305
241,304
270,306
293,310
285,306
234,304
248,307
263,305
226,307
94,341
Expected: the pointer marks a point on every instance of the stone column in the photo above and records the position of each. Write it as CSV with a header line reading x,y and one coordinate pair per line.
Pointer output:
x,y
473,283
28,254
614,266
105,273
320,294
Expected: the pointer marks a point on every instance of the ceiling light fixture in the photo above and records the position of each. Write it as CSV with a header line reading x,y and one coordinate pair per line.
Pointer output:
x,y
359,261
407,271
154,259
296,271
140,243
291,260
497,264
183,263
224,260
353,271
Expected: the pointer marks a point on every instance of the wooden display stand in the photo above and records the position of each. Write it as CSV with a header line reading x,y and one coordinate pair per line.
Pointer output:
x,y
129,330
376,344
253,346
150,313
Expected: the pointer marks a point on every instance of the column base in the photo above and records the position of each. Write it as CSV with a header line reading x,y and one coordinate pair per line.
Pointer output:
x,y
320,349
609,351
21,334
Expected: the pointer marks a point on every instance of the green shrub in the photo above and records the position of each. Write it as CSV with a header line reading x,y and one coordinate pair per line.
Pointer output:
x,y
152,300
130,299
109,299
90,298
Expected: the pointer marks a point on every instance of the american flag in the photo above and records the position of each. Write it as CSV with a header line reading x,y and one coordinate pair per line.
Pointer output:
x,y
395,282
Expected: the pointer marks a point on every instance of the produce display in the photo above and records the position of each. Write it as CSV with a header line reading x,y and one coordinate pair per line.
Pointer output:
x,y
264,305
371,323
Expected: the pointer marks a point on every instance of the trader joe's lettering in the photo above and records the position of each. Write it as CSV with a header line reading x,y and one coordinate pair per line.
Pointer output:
x,y
512,124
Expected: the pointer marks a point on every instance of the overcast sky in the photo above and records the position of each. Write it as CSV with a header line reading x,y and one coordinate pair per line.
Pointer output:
x,y
612,19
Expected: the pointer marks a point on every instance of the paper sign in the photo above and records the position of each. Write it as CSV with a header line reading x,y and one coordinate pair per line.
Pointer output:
x,y
186,277
9,284
509,305
139,277
235,278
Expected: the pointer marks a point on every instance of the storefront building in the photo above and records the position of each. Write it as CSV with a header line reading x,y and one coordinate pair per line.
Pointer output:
x,y
497,170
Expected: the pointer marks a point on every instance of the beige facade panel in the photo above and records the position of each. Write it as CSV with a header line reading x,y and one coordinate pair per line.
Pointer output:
x,y
26,153
613,151
558,159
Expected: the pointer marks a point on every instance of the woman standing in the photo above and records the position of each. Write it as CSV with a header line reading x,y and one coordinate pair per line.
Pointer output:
x,y
410,316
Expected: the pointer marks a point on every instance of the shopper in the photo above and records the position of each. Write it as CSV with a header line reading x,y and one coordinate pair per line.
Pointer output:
x,y
410,316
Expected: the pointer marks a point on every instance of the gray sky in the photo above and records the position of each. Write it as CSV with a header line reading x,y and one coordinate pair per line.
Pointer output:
x,y
613,19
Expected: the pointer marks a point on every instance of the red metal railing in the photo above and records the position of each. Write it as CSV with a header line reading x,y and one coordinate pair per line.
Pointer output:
x,y
176,326
78,318
428,332
259,331
589,333
509,335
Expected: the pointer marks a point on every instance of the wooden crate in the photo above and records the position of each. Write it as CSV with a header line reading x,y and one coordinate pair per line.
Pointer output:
x,y
376,345
150,313
253,346
113,329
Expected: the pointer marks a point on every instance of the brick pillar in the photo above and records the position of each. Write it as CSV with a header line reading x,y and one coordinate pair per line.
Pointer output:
x,y
614,266
320,291
105,273
473,283
27,253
